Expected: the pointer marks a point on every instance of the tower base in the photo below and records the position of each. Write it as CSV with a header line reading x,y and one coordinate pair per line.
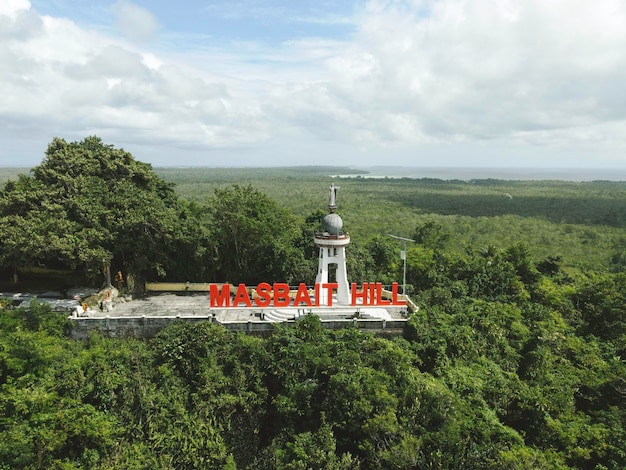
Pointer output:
x,y
333,251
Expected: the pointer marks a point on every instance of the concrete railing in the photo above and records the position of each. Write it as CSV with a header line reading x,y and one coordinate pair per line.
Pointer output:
x,y
387,294
177,286
148,326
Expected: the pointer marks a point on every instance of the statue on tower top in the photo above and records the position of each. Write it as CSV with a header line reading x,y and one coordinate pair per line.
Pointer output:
x,y
332,197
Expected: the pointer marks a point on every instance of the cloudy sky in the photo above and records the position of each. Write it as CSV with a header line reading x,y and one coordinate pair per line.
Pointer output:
x,y
472,83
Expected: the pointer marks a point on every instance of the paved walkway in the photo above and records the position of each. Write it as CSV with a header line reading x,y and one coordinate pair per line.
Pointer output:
x,y
198,305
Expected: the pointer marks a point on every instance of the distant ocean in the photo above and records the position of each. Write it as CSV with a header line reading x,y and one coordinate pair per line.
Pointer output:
x,y
520,174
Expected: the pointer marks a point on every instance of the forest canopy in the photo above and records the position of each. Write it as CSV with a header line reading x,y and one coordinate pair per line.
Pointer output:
x,y
494,386
88,204
514,360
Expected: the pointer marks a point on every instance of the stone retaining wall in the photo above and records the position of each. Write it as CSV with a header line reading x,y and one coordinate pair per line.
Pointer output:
x,y
148,326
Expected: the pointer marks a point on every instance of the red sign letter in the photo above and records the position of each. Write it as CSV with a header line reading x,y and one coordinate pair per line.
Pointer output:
x,y
394,295
281,295
379,295
302,296
242,296
359,295
217,298
330,286
263,291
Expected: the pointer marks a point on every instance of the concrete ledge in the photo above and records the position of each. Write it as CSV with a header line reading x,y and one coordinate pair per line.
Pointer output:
x,y
177,286
148,326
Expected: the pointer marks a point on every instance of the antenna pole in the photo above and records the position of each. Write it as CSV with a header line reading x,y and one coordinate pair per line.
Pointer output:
x,y
403,257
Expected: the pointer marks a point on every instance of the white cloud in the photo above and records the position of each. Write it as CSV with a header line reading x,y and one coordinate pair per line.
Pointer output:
x,y
135,22
417,74
11,8
65,80
447,70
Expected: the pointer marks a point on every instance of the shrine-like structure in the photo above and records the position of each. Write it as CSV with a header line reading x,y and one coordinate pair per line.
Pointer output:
x,y
254,309
332,242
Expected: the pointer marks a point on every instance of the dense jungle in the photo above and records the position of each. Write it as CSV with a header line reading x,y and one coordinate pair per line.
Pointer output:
x,y
515,359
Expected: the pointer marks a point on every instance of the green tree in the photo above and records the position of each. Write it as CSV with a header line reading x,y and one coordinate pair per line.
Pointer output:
x,y
602,303
254,238
384,259
432,234
88,202
310,450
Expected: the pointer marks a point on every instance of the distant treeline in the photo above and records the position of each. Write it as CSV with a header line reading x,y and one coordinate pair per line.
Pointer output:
x,y
583,222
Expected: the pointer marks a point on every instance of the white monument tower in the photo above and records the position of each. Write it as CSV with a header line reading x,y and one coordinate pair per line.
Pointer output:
x,y
332,243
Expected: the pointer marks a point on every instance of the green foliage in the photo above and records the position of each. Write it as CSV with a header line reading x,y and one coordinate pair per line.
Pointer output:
x,y
602,303
431,234
88,202
514,360
373,261
583,223
477,384
254,238
43,424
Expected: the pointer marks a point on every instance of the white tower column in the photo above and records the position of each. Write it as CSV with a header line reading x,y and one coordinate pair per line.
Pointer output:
x,y
334,253
332,242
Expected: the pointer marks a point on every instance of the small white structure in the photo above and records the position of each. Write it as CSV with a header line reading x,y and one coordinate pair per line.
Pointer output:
x,y
332,242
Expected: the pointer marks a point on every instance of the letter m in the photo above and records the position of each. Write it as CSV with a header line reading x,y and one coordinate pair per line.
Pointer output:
x,y
219,298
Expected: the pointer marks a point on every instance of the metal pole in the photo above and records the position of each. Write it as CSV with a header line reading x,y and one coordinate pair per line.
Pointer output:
x,y
404,240
404,273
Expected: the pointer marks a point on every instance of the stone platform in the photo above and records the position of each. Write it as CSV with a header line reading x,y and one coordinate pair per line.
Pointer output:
x,y
168,304
144,317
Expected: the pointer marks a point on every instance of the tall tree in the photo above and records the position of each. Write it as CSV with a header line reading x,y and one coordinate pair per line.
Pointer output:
x,y
88,202
256,238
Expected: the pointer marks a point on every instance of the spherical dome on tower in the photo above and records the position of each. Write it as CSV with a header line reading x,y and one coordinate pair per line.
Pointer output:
x,y
332,223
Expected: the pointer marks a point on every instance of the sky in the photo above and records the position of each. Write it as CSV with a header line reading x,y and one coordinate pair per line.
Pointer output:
x,y
224,83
